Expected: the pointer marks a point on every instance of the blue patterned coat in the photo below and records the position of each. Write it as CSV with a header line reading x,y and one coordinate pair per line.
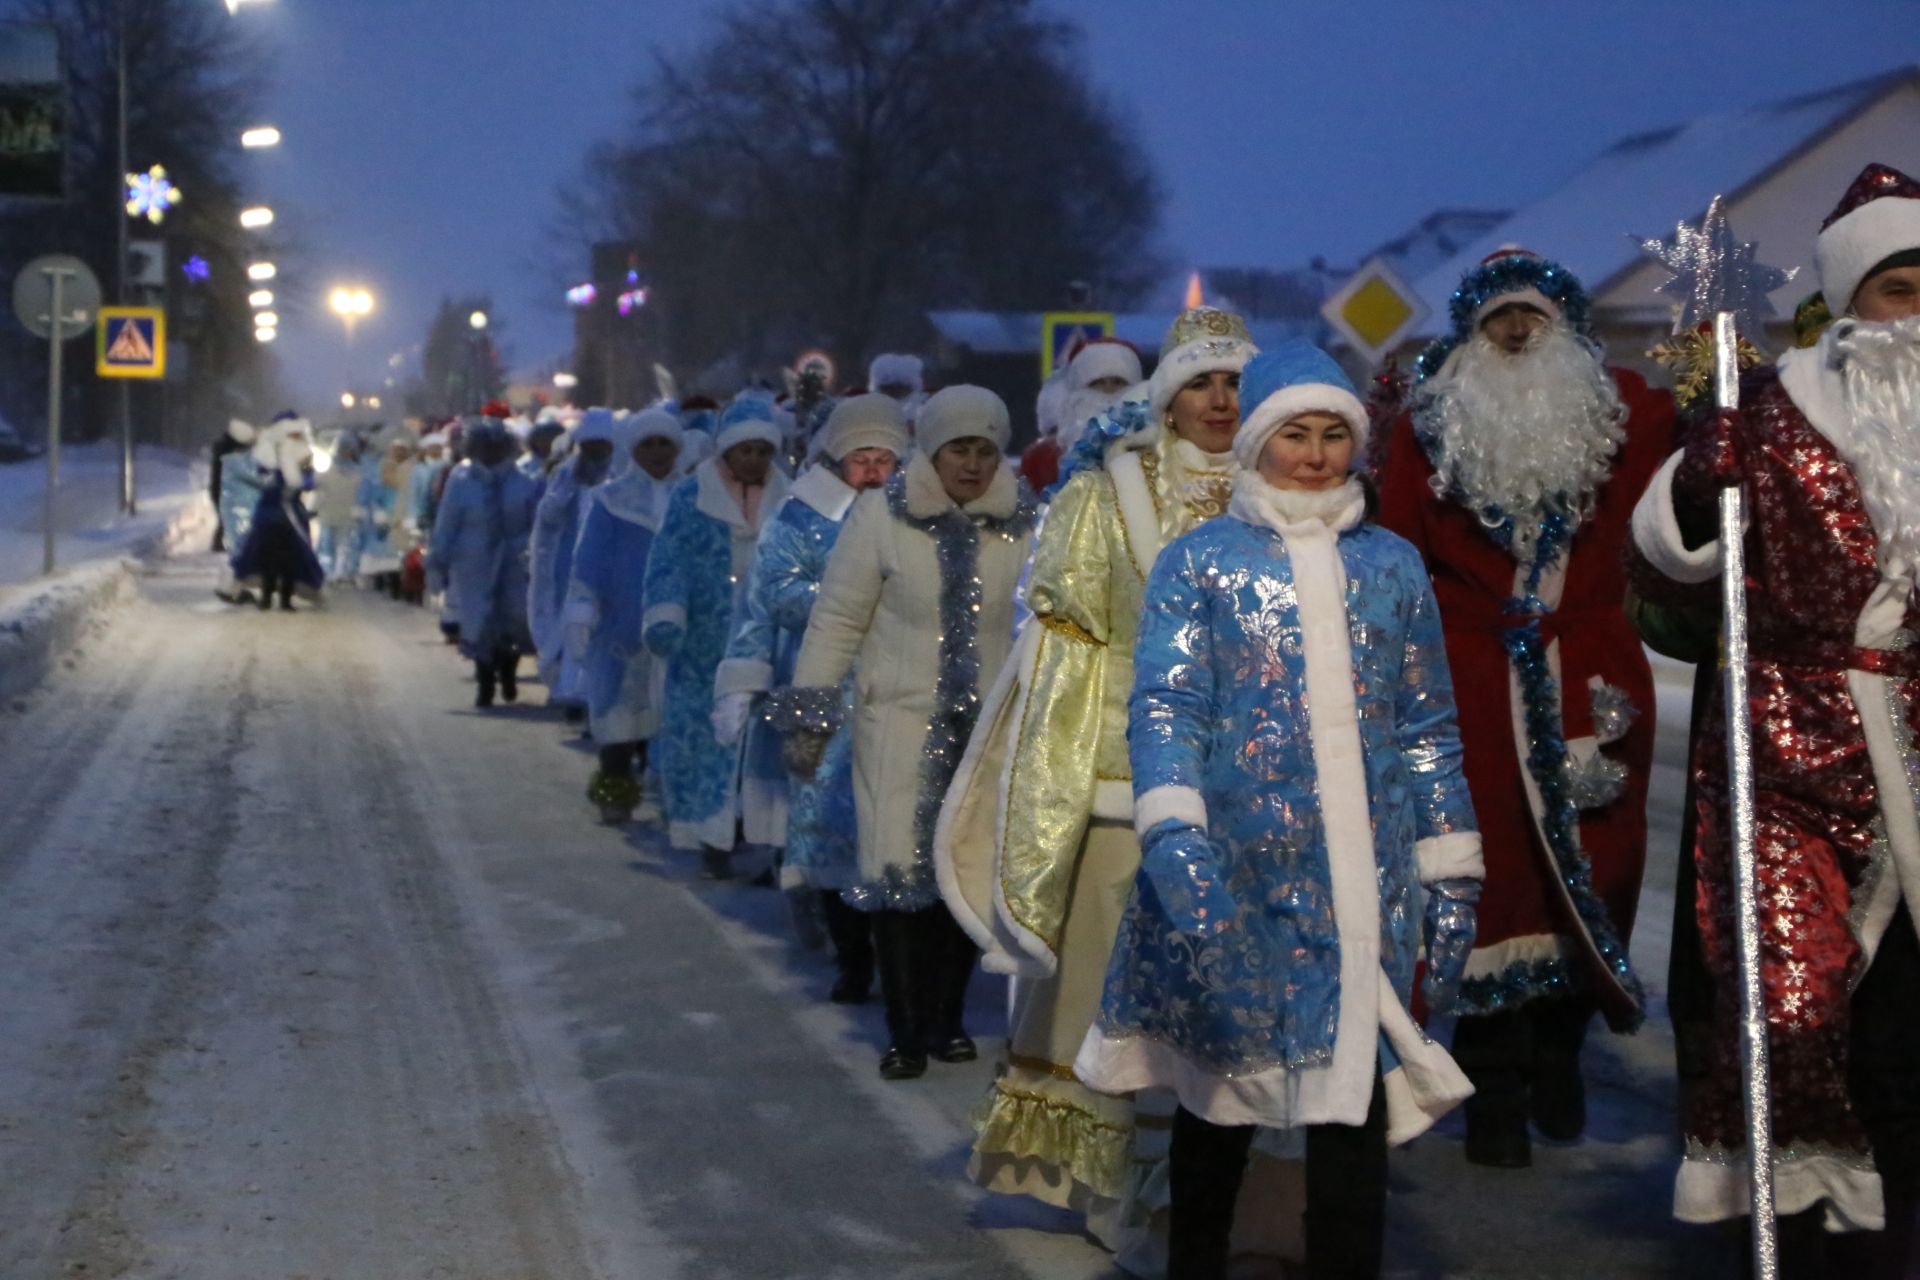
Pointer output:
x,y
788,565
556,529
1297,775
480,547
696,577
607,597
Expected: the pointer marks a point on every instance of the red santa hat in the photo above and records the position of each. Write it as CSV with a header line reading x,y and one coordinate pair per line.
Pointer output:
x,y
1878,218
1104,358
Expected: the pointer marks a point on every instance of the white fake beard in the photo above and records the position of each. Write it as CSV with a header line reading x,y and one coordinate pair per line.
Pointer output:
x,y
1880,378
1082,407
1519,432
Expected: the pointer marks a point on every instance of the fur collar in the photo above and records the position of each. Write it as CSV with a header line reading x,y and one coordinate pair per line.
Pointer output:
x,y
635,497
926,499
712,499
1296,511
820,488
1811,377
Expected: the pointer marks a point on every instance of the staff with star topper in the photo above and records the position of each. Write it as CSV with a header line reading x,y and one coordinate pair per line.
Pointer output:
x,y
1807,836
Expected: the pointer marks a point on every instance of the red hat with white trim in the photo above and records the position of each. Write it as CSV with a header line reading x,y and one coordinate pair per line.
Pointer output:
x,y
1878,218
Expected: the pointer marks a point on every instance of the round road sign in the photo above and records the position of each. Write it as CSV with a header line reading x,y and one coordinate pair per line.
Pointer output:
x,y
79,295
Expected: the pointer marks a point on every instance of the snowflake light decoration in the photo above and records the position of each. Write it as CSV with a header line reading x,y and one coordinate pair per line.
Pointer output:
x,y
150,195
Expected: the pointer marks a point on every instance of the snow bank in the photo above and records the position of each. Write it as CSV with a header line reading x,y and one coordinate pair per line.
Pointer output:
x,y
97,549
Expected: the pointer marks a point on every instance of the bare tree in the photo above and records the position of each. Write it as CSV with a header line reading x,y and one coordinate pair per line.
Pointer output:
x,y
193,78
827,170
460,367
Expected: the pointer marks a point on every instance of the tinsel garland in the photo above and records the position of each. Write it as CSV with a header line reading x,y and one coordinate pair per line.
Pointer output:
x,y
956,697
1546,762
1089,452
794,710
1509,274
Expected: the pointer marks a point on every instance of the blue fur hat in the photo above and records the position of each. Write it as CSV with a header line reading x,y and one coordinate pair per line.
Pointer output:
x,y
1512,275
1293,378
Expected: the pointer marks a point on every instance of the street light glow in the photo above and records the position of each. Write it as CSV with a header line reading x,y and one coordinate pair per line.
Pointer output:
x,y
265,335
260,298
255,218
346,400
263,136
350,303
565,381
478,320
267,320
233,6
262,271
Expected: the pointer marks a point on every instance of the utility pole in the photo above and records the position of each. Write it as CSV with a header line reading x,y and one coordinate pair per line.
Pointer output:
x,y
128,501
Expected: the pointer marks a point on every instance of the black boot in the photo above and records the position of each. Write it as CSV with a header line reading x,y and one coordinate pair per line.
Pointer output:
x,y
266,598
1205,1164
954,956
1346,1214
1557,1097
852,936
483,677
1495,1052
898,953
509,664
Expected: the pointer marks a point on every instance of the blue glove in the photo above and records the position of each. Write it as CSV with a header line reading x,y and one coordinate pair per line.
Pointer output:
x,y
1449,928
663,639
1178,861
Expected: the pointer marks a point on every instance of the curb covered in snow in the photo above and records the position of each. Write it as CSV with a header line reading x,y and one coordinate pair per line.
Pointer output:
x,y
37,630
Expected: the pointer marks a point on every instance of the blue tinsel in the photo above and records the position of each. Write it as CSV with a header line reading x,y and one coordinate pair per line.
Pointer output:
x,y
1507,274
1089,453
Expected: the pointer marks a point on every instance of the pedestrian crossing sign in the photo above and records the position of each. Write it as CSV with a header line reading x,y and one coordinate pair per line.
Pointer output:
x,y
132,343
1062,331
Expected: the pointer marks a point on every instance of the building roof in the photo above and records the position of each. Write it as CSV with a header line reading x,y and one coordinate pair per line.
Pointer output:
x,y
1644,184
1018,332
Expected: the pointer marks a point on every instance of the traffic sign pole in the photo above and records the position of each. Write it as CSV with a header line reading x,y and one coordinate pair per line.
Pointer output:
x,y
57,277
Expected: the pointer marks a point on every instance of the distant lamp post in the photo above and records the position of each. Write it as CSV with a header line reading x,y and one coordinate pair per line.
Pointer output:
x,y
265,335
267,320
261,136
565,381
257,217
352,305
260,298
478,320
150,195
346,400
262,271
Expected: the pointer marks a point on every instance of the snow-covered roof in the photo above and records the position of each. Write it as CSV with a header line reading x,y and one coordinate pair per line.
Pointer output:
x,y
1646,183
1018,332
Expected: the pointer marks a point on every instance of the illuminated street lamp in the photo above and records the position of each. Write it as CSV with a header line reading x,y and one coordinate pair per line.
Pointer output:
x,y
233,6
478,320
267,320
265,335
346,400
257,217
262,271
260,298
263,136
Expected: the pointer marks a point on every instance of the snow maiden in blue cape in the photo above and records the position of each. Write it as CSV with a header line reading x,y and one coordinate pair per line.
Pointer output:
x,y
1296,773
696,581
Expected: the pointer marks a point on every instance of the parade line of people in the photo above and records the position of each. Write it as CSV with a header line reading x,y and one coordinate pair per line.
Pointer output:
x,y
1248,723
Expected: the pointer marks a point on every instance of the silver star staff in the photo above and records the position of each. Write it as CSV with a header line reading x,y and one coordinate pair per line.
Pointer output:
x,y
1716,276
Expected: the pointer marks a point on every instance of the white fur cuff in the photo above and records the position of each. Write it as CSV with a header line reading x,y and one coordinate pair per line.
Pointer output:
x,y
1283,406
1113,799
1155,806
1656,533
670,614
1455,856
742,675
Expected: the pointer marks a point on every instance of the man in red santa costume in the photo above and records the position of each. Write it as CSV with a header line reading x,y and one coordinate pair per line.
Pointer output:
x,y
1827,448
1515,470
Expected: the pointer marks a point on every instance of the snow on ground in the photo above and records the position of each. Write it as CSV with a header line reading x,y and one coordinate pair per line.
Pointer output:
x,y
90,527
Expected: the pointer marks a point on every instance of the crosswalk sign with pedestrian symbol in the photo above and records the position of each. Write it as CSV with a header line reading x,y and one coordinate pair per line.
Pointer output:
x,y
132,343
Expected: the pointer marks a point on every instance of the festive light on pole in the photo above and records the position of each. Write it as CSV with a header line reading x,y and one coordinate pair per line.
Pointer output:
x,y
260,298
262,271
255,218
150,195
263,136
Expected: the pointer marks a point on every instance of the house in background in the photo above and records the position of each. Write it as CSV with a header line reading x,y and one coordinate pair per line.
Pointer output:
x,y
1781,167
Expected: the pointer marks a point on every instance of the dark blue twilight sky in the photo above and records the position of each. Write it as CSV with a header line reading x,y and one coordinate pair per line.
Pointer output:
x,y
425,138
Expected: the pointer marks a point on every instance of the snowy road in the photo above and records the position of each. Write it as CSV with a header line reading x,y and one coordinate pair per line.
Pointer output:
x,y
311,972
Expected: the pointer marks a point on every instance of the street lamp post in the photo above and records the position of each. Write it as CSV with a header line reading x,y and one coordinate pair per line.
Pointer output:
x,y
352,303
479,321
128,501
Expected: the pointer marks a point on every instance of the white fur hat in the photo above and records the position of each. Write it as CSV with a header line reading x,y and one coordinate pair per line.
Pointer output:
x,y
872,421
749,417
1104,358
1202,340
596,424
961,411
653,424
892,368
1877,218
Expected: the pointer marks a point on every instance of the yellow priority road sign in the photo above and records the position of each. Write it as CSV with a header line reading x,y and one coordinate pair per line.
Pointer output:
x,y
1060,330
1374,310
132,343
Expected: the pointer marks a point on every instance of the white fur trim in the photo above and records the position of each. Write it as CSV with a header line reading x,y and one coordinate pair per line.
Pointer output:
x,y
1137,512
1286,511
742,675
1861,241
927,498
1339,764
1427,1085
1181,365
1290,402
1157,804
824,491
1709,1191
1454,856
1099,360
1656,533
669,613
1497,958
745,432
763,807
1113,799
1870,700
1532,297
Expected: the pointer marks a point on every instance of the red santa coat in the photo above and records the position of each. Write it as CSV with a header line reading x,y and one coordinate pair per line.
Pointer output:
x,y
1556,912
1834,695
